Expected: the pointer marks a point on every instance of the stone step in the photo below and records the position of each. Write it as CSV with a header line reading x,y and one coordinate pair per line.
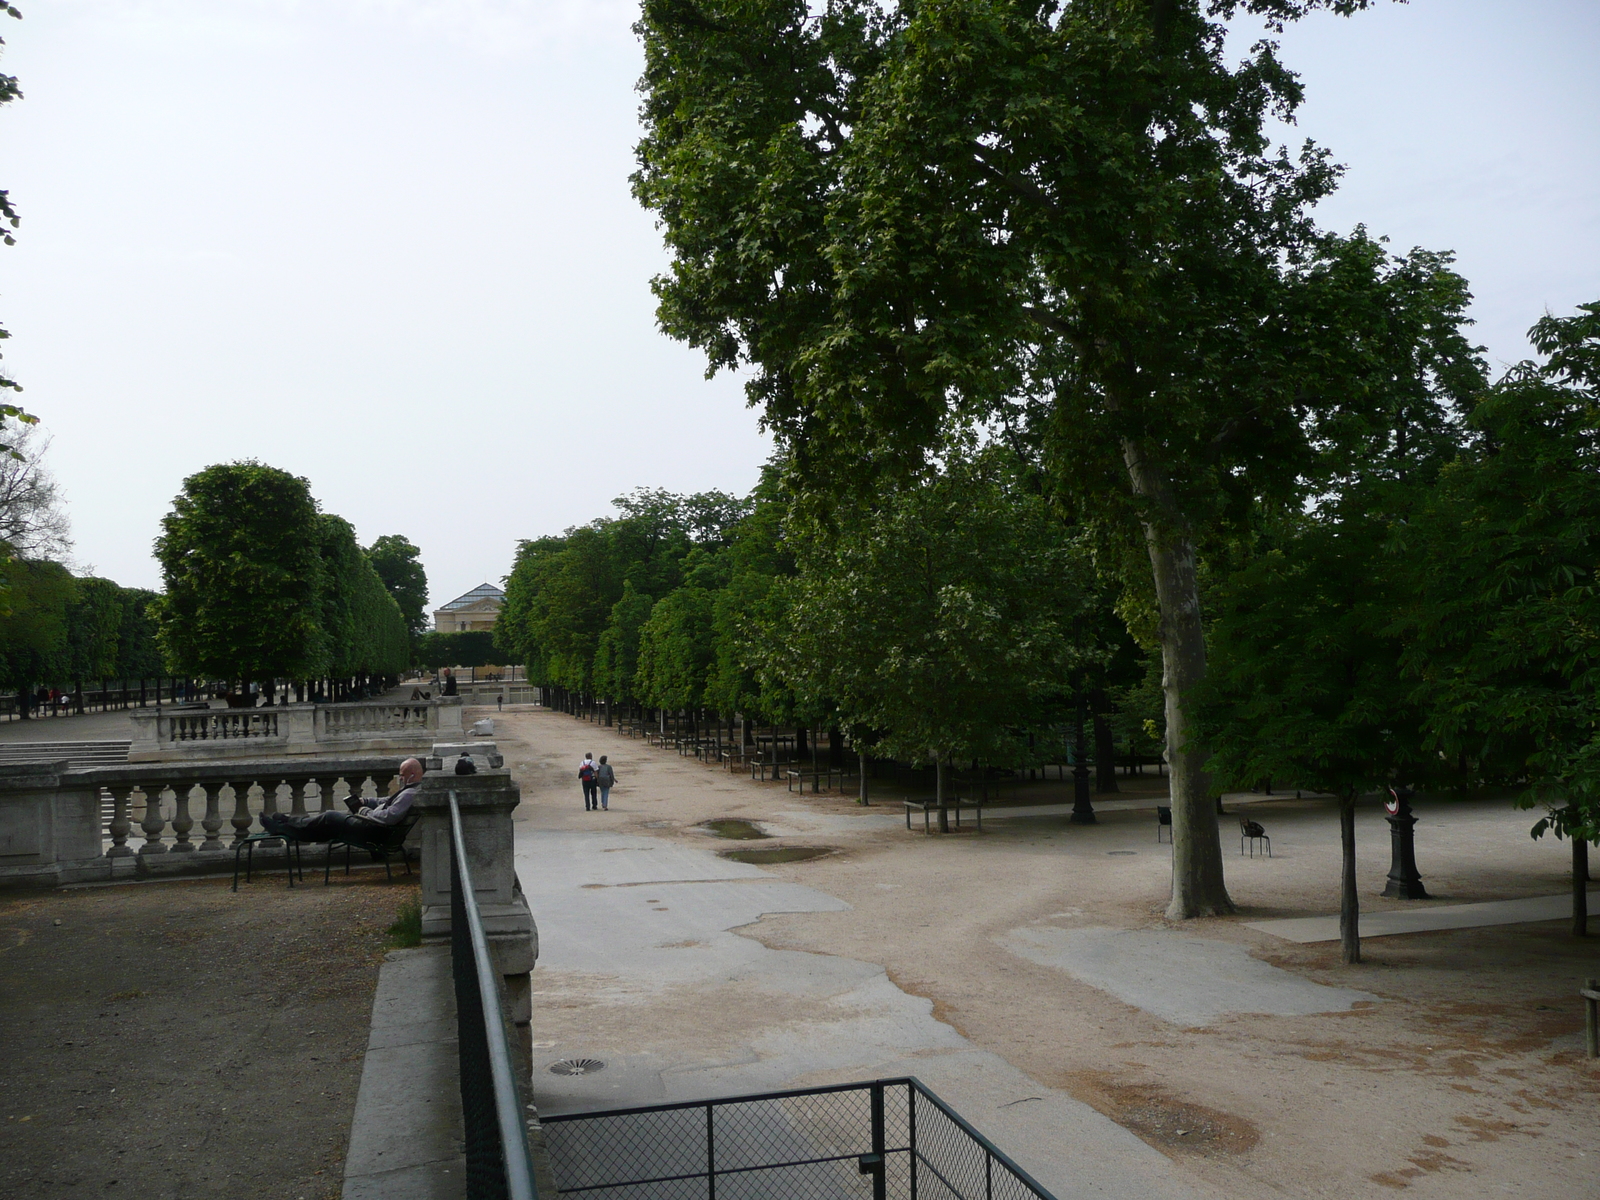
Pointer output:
x,y
77,754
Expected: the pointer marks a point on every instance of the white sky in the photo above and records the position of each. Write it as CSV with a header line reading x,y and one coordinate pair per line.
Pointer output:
x,y
389,245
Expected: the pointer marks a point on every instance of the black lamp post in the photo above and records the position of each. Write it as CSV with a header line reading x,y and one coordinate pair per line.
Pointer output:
x,y
1082,809
1405,881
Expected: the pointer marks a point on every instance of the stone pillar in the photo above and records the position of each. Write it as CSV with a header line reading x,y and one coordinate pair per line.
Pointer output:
x,y
486,801
49,826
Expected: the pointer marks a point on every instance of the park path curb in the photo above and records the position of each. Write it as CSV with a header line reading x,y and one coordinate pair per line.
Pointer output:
x,y
405,1137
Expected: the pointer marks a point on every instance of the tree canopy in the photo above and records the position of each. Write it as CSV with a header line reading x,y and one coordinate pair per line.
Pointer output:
x,y
399,564
1061,222
261,585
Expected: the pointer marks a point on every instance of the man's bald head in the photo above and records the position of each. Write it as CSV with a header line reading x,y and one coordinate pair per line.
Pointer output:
x,y
410,772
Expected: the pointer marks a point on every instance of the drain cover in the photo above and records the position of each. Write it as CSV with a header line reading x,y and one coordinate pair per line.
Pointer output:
x,y
1122,852
577,1066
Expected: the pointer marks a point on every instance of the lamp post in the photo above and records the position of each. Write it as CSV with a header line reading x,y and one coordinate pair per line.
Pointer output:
x,y
1405,881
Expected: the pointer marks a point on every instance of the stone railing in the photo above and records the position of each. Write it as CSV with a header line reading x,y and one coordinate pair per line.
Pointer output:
x,y
366,726
213,725
165,818
354,720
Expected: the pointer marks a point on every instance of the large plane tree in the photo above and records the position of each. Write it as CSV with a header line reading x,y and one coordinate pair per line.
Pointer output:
x,y
1058,220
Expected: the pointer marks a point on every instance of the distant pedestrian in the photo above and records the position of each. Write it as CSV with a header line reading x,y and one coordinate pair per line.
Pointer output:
x,y
586,773
605,779
500,702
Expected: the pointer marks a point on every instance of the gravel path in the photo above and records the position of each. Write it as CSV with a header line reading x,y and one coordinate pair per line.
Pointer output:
x,y
179,1040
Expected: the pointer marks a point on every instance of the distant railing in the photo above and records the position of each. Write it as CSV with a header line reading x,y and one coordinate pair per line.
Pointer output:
x,y
890,1137
353,727
211,725
348,720
498,1164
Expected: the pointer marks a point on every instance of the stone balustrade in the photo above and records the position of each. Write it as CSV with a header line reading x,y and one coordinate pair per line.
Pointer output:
x,y
166,818
358,727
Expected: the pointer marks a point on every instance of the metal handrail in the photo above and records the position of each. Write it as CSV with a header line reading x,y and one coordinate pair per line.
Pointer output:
x,y
507,1108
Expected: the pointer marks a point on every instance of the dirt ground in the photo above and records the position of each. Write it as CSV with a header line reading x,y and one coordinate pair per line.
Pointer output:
x,y
1466,1078
177,1040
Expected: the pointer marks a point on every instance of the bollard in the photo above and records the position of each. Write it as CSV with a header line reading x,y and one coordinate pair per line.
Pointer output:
x,y
1591,1016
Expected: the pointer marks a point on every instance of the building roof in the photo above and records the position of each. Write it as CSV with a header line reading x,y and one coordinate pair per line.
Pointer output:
x,y
484,591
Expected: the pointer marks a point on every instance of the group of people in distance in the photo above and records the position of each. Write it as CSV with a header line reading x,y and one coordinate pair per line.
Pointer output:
x,y
598,778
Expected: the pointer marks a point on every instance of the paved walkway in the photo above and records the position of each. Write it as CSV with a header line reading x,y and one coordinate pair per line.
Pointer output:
x,y
1432,917
642,967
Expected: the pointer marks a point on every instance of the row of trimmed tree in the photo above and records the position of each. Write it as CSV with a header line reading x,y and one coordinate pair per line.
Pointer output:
x,y
59,631
953,620
262,587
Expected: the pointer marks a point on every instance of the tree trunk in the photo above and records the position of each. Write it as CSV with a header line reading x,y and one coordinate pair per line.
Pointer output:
x,y
1580,887
1198,887
863,798
1105,756
1349,902
938,794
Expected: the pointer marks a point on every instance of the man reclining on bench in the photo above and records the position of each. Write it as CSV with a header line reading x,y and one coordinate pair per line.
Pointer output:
x,y
325,826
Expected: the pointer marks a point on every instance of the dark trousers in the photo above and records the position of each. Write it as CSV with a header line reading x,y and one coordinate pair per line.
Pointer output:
x,y
590,795
314,827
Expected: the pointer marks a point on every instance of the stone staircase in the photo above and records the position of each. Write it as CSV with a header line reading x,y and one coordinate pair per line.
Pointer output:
x,y
80,755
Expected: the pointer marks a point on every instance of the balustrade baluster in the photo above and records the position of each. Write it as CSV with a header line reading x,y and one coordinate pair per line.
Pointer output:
x,y
325,786
297,795
182,822
121,826
153,822
269,799
241,810
212,821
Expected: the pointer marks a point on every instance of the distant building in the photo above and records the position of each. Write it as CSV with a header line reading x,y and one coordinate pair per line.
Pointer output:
x,y
477,610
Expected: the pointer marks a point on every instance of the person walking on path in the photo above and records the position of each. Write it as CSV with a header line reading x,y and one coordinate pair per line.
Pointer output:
x,y
586,772
605,778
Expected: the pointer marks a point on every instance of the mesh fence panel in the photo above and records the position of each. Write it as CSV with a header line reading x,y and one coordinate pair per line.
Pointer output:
x,y
809,1145
629,1148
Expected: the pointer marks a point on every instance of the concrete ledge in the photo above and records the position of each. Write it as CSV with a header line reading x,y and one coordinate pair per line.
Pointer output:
x,y
1427,918
406,1136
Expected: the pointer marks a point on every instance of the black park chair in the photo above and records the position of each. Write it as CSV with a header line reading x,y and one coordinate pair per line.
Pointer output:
x,y
1163,821
1252,832
382,841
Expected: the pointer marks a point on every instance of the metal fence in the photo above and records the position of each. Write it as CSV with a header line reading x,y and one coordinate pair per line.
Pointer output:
x,y
498,1166
887,1138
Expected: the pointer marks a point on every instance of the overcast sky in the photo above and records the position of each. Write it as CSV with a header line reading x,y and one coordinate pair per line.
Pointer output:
x,y
388,245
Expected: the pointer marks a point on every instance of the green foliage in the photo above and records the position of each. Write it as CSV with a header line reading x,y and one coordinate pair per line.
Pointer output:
x,y
1504,629
33,627
462,648
406,932
1303,685
365,630
95,618
241,554
563,593
944,620
261,585
9,91
676,649
616,658
138,651
399,564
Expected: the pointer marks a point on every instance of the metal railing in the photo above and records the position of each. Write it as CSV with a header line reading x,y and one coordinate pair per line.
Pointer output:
x,y
498,1164
889,1137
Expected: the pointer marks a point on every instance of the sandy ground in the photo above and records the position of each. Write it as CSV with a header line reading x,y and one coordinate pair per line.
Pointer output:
x,y
178,1040
1461,1073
